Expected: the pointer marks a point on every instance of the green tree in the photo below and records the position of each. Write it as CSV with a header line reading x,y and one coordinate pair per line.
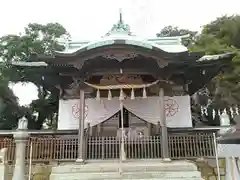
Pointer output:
x,y
221,36
10,111
43,40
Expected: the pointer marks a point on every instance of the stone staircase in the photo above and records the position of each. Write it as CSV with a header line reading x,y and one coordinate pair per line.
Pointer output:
x,y
134,170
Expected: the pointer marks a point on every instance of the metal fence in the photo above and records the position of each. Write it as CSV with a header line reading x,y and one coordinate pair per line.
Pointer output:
x,y
65,147
191,146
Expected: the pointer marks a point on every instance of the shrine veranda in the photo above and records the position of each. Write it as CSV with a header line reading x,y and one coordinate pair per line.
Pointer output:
x,y
125,86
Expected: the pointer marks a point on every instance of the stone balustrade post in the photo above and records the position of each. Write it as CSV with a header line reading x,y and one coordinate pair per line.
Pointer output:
x,y
4,164
21,137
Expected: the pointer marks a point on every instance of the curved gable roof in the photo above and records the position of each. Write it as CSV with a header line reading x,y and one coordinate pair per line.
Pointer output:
x,y
120,34
168,45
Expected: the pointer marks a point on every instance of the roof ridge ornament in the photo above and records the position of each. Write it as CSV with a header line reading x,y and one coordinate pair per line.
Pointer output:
x,y
120,27
120,15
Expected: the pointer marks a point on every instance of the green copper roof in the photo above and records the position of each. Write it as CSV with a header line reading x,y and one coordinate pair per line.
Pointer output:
x,y
121,32
167,44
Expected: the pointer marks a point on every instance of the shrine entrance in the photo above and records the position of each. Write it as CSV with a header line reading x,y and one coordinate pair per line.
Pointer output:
x,y
131,140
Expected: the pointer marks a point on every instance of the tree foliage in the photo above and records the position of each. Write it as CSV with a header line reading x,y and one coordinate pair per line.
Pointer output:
x,y
222,36
40,39
9,107
219,36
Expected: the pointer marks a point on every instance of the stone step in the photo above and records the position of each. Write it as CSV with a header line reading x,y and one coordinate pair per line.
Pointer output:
x,y
110,170
139,175
159,179
168,178
117,169
125,167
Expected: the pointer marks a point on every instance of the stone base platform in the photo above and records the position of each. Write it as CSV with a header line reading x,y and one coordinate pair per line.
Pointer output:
x,y
135,169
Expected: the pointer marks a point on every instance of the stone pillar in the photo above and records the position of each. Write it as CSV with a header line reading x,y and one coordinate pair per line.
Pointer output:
x,y
21,137
164,132
81,127
4,164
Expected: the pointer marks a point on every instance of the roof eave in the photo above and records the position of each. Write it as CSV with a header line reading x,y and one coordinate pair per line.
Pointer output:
x,y
29,64
216,57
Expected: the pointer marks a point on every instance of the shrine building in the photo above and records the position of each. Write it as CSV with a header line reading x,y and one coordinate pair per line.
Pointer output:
x,y
126,87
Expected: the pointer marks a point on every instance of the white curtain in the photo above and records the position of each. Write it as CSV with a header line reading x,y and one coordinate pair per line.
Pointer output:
x,y
95,112
177,110
146,109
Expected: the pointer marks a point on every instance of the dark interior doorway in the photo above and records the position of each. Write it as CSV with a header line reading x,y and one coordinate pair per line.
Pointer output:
x,y
125,118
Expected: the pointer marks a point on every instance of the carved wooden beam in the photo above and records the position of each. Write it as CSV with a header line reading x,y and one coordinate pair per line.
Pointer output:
x,y
106,71
162,62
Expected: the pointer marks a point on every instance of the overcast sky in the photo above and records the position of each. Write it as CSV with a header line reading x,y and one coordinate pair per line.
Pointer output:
x,y
86,20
